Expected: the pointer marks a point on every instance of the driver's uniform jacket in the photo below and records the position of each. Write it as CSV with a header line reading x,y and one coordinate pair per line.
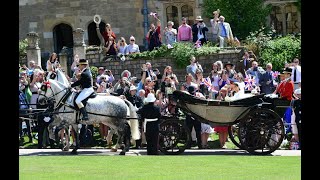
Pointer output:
x,y
85,83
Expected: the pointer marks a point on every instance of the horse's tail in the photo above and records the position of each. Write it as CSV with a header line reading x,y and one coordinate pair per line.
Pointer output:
x,y
134,123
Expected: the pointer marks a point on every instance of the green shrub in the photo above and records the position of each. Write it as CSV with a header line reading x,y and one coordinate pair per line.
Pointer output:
x,y
181,53
92,48
280,50
258,39
23,48
94,71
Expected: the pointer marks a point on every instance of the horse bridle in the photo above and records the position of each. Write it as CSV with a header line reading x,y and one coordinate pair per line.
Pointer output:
x,y
48,100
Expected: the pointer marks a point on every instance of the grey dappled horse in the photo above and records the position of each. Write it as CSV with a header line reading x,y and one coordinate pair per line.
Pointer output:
x,y
109,110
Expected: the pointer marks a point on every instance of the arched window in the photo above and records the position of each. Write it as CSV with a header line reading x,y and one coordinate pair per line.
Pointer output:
x,y
172,15
187,11
62,36
92,33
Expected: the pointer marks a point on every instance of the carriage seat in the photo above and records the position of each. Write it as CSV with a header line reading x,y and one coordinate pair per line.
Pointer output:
x,y
190,99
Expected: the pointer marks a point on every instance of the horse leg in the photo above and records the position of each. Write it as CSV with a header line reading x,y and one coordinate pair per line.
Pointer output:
x,y
67,142
119,140
109,137
77,146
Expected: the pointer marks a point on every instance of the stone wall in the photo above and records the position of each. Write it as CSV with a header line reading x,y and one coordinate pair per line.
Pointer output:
x,y
134,66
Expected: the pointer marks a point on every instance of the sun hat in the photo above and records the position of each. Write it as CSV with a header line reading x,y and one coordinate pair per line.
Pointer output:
x,y
199,18
83,61
229,63
126,73
133,88
150,98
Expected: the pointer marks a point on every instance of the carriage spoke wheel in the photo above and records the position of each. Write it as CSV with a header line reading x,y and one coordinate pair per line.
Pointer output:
x,y
261,132
173,137
233,132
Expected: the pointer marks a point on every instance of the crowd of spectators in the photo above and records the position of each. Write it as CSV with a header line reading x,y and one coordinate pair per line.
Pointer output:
x,y
226,81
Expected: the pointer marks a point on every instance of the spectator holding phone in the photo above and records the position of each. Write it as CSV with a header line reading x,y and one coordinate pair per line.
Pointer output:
x,y
170,34
167,73
154,35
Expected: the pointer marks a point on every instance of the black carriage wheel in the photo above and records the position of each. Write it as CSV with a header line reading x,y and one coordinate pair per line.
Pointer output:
x,y
261,132
233,132
173,137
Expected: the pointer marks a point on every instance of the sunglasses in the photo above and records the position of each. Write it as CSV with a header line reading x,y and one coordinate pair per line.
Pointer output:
x,y
131,39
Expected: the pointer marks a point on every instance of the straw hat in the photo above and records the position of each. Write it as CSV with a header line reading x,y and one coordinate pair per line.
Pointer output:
x,y
133,88
126,73
150,98
83,61
199,18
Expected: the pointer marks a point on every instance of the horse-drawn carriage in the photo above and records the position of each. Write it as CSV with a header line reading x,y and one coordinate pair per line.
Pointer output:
x,y
253,124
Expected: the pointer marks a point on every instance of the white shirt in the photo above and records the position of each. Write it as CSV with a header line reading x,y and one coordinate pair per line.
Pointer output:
x,y
298,77
214,26
132,48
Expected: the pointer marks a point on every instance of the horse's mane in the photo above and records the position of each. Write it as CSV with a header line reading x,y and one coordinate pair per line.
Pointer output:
x,y
57,82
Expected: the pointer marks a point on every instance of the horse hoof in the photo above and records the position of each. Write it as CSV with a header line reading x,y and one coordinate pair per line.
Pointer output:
x,y
122,153
113,150
74,152
65,149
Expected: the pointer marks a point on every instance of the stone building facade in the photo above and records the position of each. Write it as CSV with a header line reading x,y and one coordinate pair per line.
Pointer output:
x,y
54,20
57,21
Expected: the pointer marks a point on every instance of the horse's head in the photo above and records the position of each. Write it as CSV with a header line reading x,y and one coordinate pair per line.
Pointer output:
x,y
49,90
46,93
58,75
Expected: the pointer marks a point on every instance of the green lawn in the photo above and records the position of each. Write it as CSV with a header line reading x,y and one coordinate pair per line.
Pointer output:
x,y
160,167
214,144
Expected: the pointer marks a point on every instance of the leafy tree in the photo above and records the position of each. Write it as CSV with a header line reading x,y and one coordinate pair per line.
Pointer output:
x,y
280,50
244,16
23,48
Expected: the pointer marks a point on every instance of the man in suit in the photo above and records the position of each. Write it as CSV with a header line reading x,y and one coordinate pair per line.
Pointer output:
x,y
85,83
244,64
199,31
296,73
266,80
224,32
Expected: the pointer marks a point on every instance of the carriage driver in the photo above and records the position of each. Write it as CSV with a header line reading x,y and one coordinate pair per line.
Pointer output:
x,y
85,83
